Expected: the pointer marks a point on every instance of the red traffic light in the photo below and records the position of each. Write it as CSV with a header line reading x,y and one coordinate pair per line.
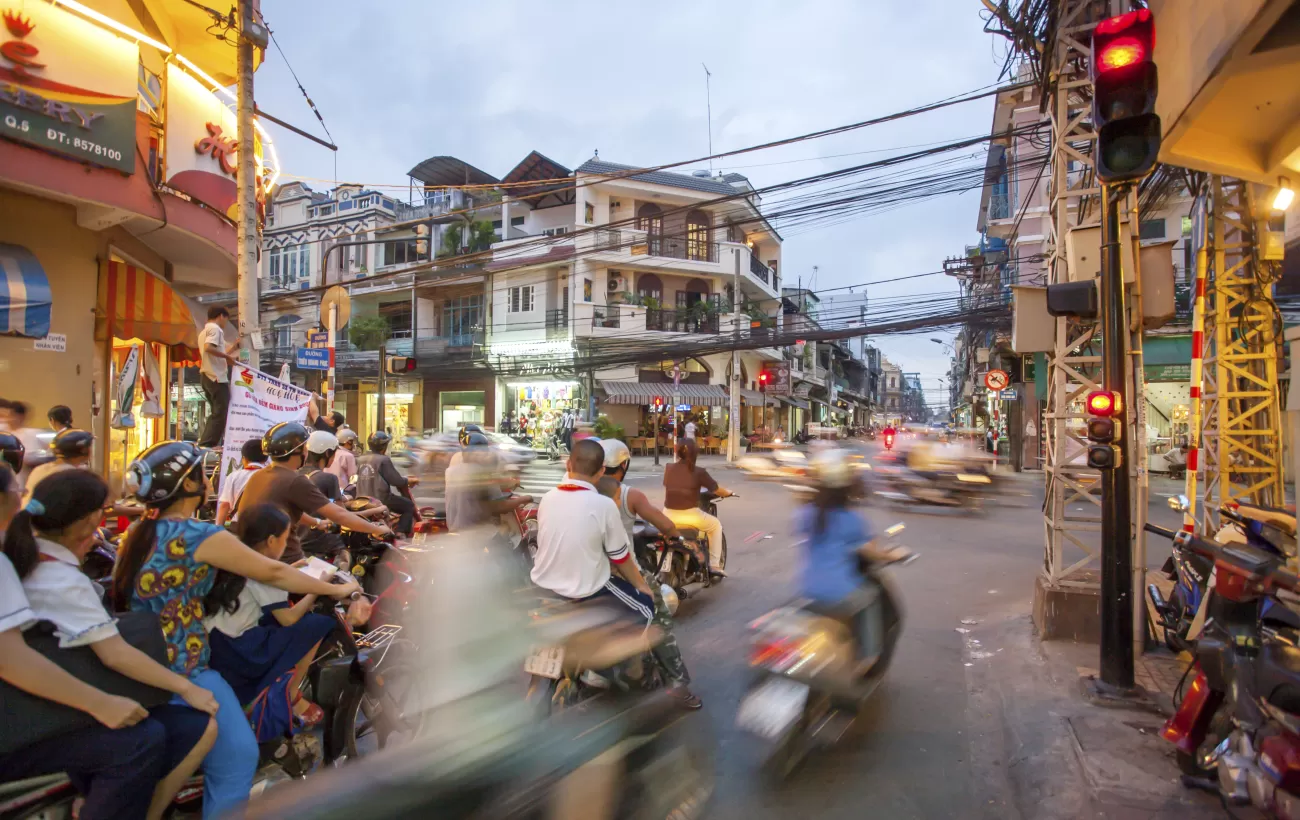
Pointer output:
x,y
1141,19
763,377
1104,403
1122,41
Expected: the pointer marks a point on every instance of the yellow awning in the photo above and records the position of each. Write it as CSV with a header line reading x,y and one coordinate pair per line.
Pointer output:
x,y
134,303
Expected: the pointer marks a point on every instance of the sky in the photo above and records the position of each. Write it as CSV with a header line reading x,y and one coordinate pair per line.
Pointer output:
x,y
398,81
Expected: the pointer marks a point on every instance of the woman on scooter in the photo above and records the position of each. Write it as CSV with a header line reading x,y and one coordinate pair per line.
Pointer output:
x,y
167,564
255,635
683,481
45,543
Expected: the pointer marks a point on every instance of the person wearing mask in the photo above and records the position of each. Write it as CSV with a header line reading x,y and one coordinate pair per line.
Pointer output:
x,y
378,477
255,635
46,543
71,452
215,360
167,564
60,418
282,484
251,459
583,552
344,465
633,504
683,481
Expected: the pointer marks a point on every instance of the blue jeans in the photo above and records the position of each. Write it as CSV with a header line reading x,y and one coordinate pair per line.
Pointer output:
x,y
229,768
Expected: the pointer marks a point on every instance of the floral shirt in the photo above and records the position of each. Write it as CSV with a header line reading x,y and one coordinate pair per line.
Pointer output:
x,y
172,583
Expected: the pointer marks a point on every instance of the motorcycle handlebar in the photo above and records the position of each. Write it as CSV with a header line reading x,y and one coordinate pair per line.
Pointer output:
x,y
1278,575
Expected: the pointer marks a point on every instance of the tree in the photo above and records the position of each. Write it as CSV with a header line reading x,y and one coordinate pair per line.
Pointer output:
x,y
369,332
467,237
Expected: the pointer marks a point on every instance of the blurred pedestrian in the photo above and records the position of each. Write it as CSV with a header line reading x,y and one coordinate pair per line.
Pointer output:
x,y
14,415
60,417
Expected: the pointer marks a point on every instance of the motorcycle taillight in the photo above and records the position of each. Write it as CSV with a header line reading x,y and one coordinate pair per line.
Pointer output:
x,y
1234,584
775,653
1279,757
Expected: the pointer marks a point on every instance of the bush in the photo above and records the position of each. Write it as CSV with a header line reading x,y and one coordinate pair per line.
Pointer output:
x,y
604,428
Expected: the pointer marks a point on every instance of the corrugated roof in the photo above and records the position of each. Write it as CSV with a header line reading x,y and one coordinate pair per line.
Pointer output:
x,y
711,395
707,185
437,171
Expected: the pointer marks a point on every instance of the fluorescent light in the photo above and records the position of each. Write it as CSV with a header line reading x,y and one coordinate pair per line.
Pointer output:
x,y
1282,199
109,22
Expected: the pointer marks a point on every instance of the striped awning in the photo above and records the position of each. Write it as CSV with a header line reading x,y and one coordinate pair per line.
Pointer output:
x,y
135,304
754,398
710,395
25,297
802,405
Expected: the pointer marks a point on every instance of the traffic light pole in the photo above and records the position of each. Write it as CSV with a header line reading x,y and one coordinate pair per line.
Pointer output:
x,y
1116,524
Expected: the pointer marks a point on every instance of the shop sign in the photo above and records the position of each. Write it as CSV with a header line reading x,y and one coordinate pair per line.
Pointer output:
x,y
312,358
802,390
780,380
53,342
70,86
1010,394
1168,372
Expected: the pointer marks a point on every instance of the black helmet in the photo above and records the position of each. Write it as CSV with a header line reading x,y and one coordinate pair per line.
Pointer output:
x,y
378,441
11,450
70,443
285,439
466,431
476,440
159,472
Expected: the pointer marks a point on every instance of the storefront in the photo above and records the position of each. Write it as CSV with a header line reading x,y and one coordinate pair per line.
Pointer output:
x,y
537,408
403,408
628,405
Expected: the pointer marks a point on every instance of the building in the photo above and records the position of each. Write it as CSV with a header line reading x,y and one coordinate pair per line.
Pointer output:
x,y
116,207
892,406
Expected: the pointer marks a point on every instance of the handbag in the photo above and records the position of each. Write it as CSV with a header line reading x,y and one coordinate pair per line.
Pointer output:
x,y
26,718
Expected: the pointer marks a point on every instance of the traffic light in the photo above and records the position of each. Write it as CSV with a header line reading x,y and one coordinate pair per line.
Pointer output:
x,y
764,379
400,364
1105,429
421,240
1124,90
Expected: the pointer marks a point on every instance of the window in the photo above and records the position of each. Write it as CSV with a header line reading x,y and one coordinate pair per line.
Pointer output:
x,y
1151,229
496,223
521,299
697,235
516,221
400,252
325,210
589,213
273,266
555,232
398,315
460,318
304,265
282,329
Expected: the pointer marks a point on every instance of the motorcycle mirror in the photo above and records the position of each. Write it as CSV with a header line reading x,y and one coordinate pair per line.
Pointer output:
x,y
1180,503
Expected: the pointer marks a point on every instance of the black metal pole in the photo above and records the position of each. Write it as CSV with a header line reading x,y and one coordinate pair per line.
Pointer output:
x,y
655,411
1116,529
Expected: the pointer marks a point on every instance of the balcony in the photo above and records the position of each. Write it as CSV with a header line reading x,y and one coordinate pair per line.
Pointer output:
x,y
557,323
681,321
999,206
762,272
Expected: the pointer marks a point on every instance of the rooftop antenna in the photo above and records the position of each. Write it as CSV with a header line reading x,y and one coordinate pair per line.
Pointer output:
x,y
708,102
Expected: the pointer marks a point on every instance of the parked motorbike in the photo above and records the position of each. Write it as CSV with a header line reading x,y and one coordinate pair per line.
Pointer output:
x,y
810,677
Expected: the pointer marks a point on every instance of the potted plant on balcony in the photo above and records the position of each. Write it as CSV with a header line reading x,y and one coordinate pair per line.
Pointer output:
x,y
369,332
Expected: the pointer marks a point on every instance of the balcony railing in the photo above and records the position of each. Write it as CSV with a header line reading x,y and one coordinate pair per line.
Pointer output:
x,y
999,206
761,271
557,323
653,244
681,321
610,316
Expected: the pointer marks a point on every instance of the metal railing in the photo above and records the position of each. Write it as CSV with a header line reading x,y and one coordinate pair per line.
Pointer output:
x,y
610,316
761,271
681,321
999,206
557,323
671,247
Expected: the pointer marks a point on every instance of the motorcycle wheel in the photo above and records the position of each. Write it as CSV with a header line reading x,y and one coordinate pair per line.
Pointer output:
x,y
366,722
673,774
792,747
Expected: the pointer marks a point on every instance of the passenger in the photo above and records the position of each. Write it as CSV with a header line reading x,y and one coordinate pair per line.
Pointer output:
x,y
378,477
475,494
167,564
255,635
633,504
683,482
13,419
71,452
322,448
46,543
281,484
344,465
12,452
251,459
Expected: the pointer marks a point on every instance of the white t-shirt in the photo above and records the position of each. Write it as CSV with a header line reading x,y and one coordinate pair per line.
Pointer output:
x,y
690,429
232,486
251,600
579,533
214,367
60,593
15,612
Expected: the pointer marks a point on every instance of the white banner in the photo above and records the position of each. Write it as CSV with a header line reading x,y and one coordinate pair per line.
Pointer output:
x,y
150,383
258,402
125,389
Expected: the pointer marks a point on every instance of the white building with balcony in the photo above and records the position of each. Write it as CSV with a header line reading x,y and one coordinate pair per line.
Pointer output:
x,y
605,263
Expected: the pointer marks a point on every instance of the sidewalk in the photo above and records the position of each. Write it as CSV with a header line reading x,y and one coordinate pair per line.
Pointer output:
x,y
1051,753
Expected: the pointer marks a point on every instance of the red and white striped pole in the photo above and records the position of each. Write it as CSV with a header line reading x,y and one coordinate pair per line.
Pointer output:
x,y
1196,379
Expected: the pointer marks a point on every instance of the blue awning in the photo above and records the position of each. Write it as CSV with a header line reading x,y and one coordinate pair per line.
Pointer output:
x,y
24,293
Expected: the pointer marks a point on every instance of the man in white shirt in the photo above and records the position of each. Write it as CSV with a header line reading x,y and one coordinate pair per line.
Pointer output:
x,y
232,486
214,373
690,429
583,551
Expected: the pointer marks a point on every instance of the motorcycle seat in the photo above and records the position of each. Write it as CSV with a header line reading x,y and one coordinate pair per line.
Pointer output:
x,y
1284,520
1278,671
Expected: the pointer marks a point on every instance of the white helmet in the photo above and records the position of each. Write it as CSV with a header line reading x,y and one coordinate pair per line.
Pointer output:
x,y
346,434
616,453
322,442
830,468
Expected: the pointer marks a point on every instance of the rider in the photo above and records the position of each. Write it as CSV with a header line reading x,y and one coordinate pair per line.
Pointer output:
x,y
633,504
683,482
71,452
167,564
463,436
378,478
281,484
344,465
252,459
474,491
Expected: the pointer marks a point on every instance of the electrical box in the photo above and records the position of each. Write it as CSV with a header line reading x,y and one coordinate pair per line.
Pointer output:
x,y
1158,296
1083,252
1032,329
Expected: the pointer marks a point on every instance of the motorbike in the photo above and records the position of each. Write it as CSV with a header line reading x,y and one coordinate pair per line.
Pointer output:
x,y
1183,614
946,488
810,678
679,562
889,441
1237,726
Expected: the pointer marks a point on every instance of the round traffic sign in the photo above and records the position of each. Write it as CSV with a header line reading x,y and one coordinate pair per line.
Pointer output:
x,y
996,380
336,296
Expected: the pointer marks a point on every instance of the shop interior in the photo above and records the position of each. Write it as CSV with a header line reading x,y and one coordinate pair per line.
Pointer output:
x,y
536,408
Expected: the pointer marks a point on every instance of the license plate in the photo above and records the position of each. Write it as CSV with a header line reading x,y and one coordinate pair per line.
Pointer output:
x,y
770,708
546,663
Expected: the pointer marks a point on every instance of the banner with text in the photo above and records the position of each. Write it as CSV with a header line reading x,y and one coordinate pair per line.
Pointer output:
x,y
258,402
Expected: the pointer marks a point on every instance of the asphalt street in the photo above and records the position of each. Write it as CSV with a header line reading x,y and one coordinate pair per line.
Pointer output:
x,y
921,749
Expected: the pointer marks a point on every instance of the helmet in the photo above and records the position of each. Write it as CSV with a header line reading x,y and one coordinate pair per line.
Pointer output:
x,y
830,468
347,434
616,453
378,441
670,598
158,474
322,442
284,439
11,450
475,439
465,433
71,443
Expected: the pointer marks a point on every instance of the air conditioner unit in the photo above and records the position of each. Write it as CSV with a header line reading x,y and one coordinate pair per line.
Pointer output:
x,y
616,284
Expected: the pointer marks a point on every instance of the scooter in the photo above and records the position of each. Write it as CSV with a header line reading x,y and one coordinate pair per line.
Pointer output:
x,y
810,679
684,561
947,488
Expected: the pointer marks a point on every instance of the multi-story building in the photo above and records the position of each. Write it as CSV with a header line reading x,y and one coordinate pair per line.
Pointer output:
x,y
891,379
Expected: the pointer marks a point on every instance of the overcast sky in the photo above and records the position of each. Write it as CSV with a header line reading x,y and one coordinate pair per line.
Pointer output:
x,y
401,80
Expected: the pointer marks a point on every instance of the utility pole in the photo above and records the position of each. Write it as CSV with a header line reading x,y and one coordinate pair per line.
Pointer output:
x,y
733,408
246,181
381,416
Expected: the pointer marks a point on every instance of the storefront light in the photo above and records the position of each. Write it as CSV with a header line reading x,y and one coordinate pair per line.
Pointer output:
x,y
109,22
269,182
530,348
542,385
